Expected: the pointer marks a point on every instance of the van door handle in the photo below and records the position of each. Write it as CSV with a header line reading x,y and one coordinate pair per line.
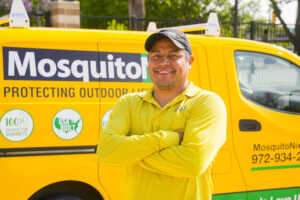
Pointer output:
x,y
249,125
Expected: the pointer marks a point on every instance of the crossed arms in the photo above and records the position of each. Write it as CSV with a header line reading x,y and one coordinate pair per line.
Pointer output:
x,y
160,151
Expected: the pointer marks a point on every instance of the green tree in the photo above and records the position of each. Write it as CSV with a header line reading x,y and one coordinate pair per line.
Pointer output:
x,y
195,9
108,8
177,9
187,10
249,11
104,8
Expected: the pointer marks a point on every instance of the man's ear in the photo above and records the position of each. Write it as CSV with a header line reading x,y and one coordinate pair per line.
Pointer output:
x,y
191,60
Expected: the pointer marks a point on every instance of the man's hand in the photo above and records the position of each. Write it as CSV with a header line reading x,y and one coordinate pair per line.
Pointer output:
x,y
180,136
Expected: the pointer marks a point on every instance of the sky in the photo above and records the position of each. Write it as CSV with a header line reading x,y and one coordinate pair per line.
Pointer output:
x,y
289,11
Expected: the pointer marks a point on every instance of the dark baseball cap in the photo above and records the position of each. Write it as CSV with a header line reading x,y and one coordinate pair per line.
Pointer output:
x,y
177,37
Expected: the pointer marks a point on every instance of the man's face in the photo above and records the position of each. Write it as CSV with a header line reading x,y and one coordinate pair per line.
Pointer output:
x,y
168,66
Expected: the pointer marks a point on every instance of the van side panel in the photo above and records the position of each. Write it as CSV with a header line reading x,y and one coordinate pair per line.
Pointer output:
x,y
49,110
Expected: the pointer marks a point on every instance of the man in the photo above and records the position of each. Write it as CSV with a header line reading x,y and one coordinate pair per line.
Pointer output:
x,y
168,136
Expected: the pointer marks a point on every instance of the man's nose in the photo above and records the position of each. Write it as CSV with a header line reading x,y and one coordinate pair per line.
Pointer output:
x,y
164,60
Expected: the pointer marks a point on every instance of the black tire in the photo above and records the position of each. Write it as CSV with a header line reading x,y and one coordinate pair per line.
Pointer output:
x,y
67,190
64,197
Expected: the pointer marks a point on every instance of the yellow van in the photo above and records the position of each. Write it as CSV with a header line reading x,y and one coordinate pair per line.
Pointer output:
x,y
58,86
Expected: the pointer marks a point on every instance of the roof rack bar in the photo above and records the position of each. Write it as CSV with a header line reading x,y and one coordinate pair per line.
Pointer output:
x,y
212,26
188,28
4,19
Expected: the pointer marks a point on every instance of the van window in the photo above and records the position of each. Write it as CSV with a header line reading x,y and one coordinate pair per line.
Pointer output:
x,y
269,80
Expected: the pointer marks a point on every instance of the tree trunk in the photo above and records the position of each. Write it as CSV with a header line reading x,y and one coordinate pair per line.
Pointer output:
x,y
136,11
285,28
297,31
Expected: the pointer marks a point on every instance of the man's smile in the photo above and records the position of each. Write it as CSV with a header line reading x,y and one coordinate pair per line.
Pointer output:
x,y
164,72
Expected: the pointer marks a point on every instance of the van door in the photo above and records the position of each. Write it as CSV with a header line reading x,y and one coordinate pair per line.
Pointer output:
x,y
228,182
264,86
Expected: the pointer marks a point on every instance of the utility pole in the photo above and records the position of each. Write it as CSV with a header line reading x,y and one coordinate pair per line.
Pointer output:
x,y
235,25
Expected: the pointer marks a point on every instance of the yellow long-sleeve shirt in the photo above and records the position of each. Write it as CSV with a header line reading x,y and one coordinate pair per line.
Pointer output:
x,y
142,136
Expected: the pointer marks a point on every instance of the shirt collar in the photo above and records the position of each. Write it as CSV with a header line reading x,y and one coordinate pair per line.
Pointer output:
x,y
146,94
190,91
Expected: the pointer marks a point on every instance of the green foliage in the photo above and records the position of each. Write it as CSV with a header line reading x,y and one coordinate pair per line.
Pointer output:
x,y
247,11
184,11
114,25
177,9
174,9
283,44
224,9
104,7
31,6
115,8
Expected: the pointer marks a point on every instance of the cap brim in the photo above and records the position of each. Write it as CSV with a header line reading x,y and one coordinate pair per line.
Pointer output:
x,y
152,39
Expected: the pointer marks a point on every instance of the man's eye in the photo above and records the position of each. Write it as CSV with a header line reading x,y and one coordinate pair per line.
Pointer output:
x,y
155,57
174,56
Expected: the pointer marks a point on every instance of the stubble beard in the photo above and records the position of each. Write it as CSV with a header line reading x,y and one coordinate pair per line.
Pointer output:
x,y
165,85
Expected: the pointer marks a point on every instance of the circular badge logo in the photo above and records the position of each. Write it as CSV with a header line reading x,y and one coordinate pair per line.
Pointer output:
x,y
105,118
16,125
67,124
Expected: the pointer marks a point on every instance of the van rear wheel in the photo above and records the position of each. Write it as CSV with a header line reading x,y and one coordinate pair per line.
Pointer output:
x,y
64,197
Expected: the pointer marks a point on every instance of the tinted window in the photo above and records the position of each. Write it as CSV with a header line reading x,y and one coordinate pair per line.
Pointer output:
x,y
269,80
